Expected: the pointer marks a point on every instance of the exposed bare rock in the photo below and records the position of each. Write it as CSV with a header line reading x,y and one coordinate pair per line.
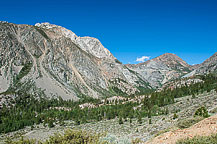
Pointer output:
x,y
53,60
88,105
209,65
180,83
161,69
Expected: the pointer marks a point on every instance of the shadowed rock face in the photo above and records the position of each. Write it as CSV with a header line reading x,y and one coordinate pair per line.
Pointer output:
x,y
162,69
52,60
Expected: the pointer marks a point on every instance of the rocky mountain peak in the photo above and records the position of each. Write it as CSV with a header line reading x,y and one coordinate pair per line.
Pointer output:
x,y
46,25
161,69
169,55
89,44
58,29
171,60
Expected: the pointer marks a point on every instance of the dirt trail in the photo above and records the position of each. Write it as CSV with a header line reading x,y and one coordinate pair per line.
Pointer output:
x,y
205,127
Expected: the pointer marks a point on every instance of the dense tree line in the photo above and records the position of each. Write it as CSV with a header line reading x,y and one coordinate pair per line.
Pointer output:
x,y
29,110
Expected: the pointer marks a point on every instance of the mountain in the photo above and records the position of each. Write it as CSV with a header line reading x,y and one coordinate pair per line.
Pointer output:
x,y
209,65
161,69
50,60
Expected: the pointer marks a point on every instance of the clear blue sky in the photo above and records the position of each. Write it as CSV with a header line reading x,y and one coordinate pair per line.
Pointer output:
x,y
129,28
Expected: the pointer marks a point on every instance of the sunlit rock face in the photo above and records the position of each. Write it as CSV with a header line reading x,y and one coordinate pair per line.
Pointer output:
x,y
51,60
162,69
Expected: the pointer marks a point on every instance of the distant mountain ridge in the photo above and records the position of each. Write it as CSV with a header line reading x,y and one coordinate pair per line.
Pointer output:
x,y
162,69
51,60
169,59
209,65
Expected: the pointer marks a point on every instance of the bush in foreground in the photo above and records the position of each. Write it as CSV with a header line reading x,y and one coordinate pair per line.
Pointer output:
x,y
78,137
74,137
69,137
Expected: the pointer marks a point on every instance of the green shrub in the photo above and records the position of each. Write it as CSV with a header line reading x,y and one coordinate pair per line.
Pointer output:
x,y
69,137
24,71
175,116
149,121
202,111
50,124
139,120
136,141
193,96
199,140
120,120
22,141
189,122
75,137
162,131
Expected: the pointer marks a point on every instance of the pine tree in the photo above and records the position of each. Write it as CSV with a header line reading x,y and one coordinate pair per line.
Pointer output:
x,y
193,96
120,120
50,124
175,116
149,121
130,121
77,122
202,111
139,119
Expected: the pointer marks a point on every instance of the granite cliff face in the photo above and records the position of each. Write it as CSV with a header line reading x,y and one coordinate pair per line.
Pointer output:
x,y
161,69
52,60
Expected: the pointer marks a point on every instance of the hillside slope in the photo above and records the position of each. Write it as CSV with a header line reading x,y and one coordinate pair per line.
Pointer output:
x,y
205,127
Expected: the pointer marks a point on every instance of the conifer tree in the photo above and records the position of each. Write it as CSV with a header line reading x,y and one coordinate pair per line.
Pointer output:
x,y
120,120
139,119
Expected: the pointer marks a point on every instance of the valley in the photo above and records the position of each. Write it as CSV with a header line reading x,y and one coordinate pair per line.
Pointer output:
x,y
184,107
52,80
